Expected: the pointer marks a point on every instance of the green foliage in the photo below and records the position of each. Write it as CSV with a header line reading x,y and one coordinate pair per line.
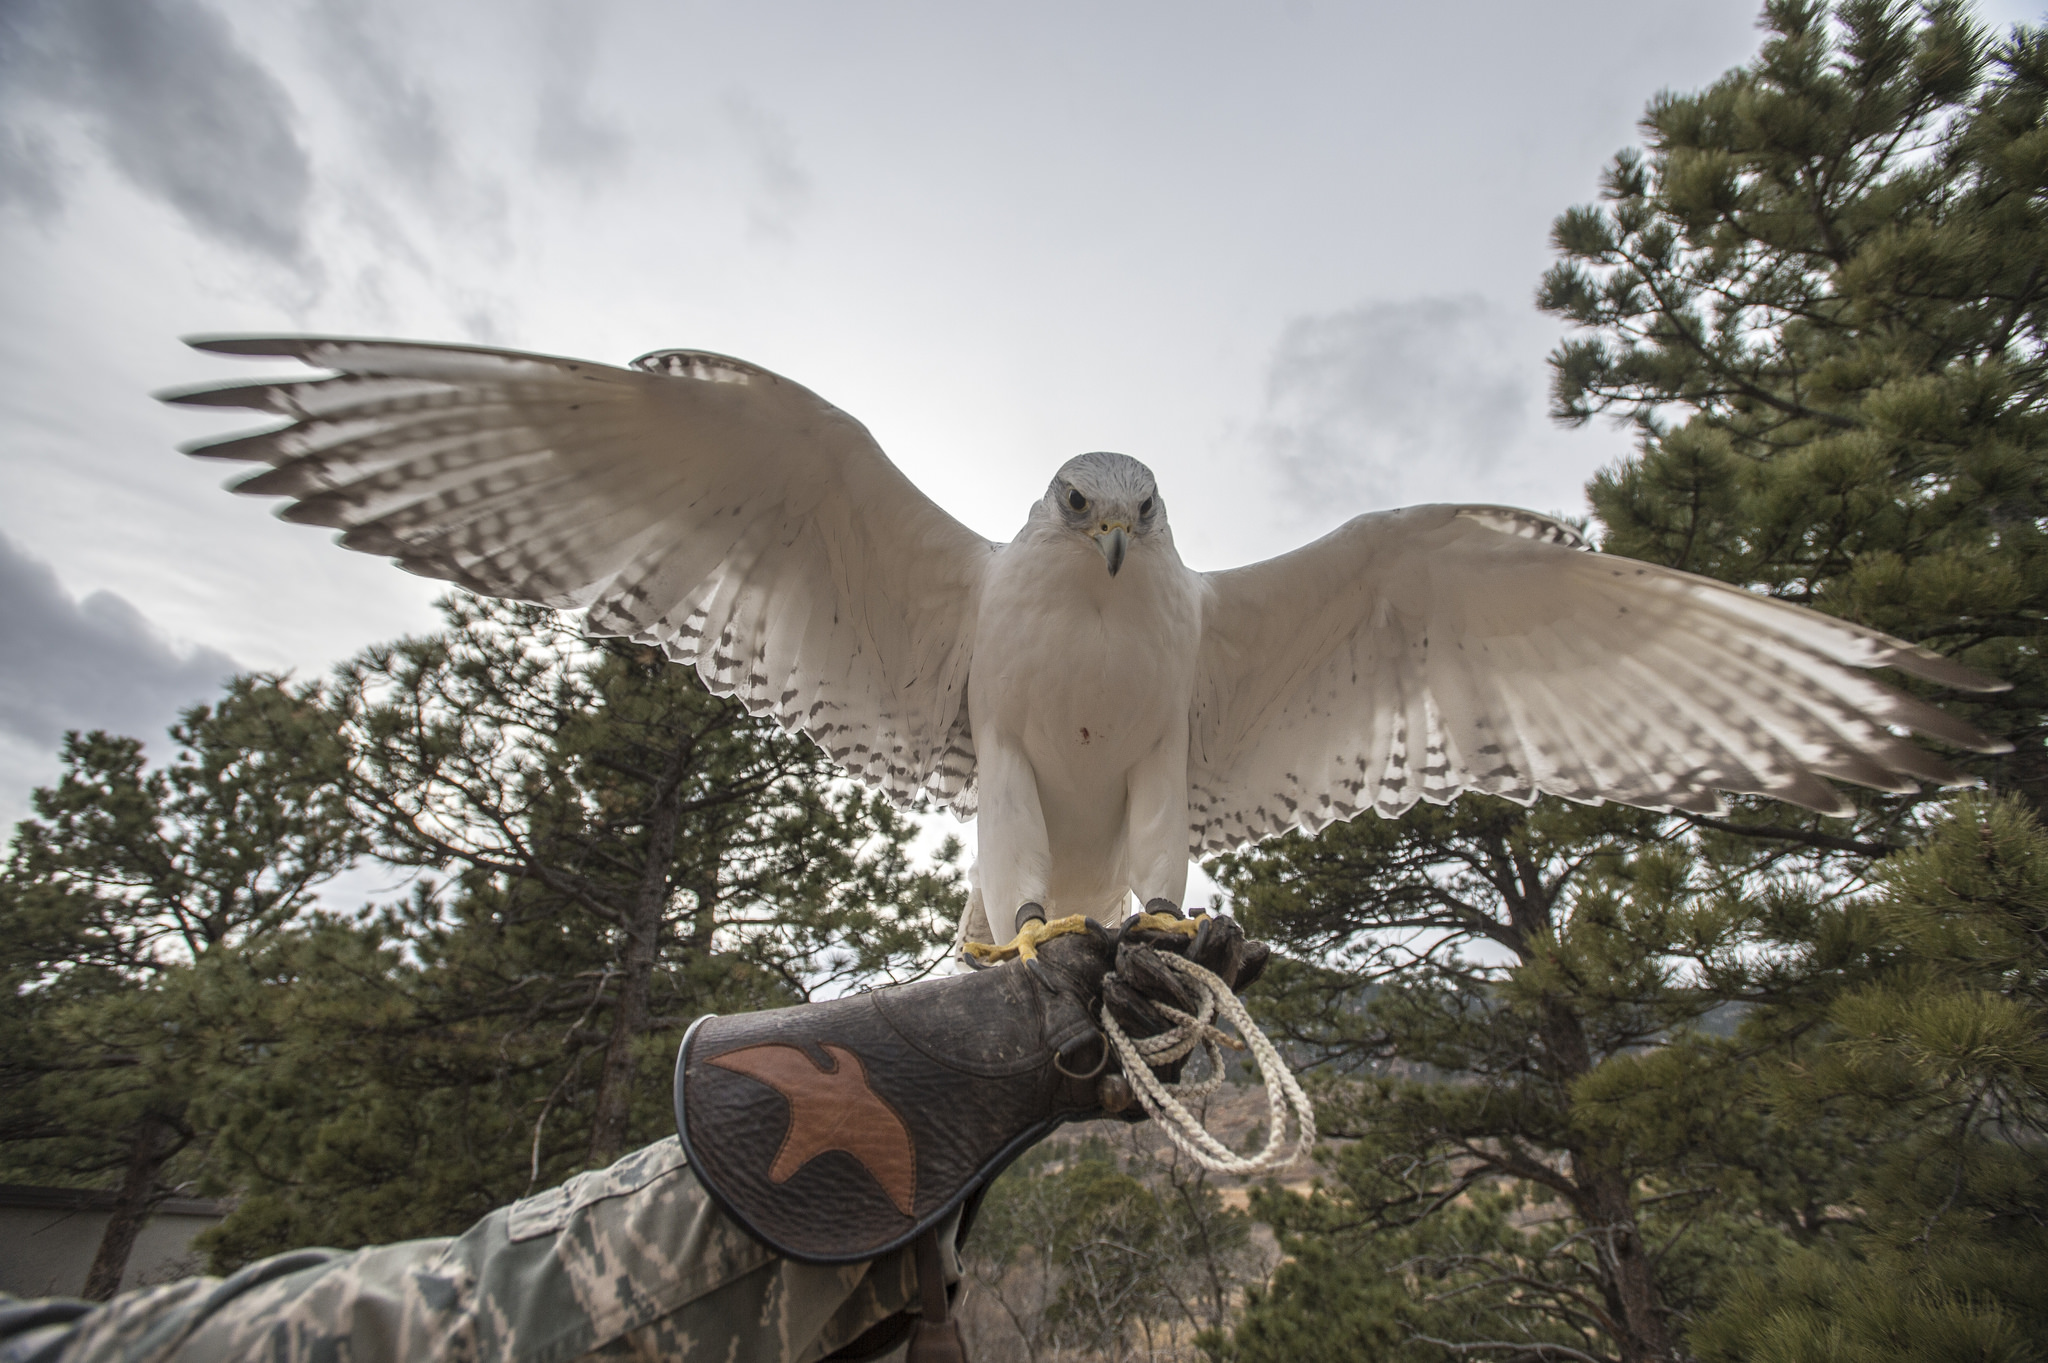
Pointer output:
x,y
1107,1251
601,852
1944,1052
622,852
1536,1030
557,778
132,871
1392,1294
118,908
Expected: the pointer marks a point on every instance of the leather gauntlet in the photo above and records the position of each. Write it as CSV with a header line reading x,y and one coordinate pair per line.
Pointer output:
x,y
835,1132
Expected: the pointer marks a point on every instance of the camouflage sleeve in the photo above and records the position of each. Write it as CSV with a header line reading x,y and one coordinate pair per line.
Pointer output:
x,y
634,1261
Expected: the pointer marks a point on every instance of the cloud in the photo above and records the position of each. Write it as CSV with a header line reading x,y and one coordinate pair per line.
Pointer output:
x,y
781,186
1392,402
573,139
92,664
402,123
400,119
570,137
28,172
178,108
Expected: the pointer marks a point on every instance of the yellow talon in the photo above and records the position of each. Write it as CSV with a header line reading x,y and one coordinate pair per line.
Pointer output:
x,y
1025,944
1166,922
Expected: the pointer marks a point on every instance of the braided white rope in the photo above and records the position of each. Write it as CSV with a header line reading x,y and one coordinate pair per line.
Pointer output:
x,y
1283,1093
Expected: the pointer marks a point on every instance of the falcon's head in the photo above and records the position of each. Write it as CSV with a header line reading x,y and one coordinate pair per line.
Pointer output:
x,y
1110,498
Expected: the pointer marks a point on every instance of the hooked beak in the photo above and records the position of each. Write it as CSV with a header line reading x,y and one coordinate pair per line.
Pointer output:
x,y
1113,538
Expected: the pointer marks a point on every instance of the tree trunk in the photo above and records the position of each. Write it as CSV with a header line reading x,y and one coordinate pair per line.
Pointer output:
x,y
155,1141
1630,1285
644,922
1606,1203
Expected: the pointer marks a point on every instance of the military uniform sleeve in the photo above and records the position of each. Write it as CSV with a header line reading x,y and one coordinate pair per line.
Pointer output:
x,y
633,1261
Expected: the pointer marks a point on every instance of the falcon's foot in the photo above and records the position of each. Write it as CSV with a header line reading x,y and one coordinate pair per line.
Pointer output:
x,y
976,954
1163,916
1034,933
1213,941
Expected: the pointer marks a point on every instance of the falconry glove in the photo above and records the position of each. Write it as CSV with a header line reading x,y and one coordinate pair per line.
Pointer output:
x,y
838,1131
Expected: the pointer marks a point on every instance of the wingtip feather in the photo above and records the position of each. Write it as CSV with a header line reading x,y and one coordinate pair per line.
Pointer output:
x,y
202,394
233,448
1931,666
271,346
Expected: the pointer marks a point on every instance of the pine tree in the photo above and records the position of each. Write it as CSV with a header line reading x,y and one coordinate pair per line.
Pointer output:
x,y
117,906
1532,1012
1944,1053
611,852
1818,294
603,852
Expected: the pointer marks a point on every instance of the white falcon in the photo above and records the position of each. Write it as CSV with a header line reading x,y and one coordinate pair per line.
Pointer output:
x,y
1107,711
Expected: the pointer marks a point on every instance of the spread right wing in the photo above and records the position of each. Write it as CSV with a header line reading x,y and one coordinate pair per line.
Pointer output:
x,y
1411,655
694,502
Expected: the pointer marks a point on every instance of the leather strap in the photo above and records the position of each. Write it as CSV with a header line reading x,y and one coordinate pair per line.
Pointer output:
x,y
936,1338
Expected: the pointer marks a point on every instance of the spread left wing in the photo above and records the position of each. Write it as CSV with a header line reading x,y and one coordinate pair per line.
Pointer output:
x,y
694,502
1411,655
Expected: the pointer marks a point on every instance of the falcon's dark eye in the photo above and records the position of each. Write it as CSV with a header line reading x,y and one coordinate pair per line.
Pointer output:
x,y
1077,501
1145,507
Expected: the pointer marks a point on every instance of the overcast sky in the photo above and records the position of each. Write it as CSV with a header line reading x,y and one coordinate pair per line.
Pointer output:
x,y
1283,252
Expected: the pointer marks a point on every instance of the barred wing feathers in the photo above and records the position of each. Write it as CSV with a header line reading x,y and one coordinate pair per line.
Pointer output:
x,y
1414,654
694,502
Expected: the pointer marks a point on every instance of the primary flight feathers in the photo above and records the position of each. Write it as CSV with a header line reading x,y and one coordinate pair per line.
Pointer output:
x,y
695,502
751,529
